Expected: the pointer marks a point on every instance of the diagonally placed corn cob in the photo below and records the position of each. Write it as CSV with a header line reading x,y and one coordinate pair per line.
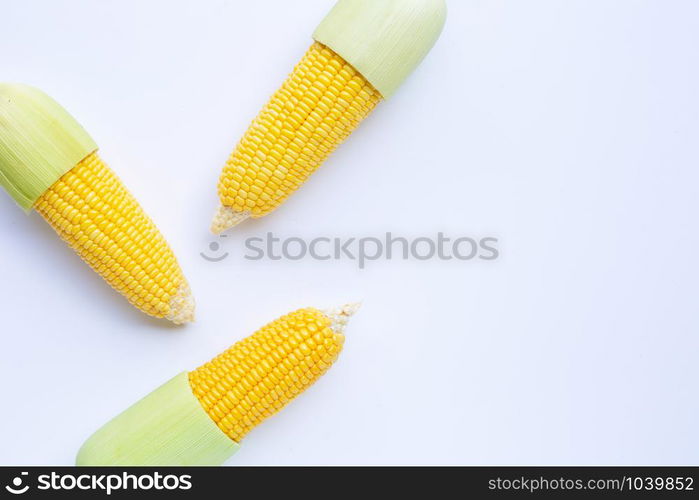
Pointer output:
x,y
363,51
48,162
200,417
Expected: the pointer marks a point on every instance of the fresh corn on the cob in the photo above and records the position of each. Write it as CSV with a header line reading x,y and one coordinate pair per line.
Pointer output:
x,y
200,417
363,51
48,162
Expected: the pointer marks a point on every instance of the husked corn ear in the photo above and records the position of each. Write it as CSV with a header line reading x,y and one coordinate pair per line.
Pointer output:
x,y
95,214
259,375
200,417
49,163
363,51
314,111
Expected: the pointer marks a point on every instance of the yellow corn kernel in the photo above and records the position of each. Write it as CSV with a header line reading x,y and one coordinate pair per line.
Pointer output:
x,y
259,375
94,213
314,111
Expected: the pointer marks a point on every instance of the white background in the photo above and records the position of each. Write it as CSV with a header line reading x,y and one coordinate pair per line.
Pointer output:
x,y
567,129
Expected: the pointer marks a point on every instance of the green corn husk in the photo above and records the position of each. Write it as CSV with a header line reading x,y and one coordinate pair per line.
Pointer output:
x,y
385,40
39,142
167,427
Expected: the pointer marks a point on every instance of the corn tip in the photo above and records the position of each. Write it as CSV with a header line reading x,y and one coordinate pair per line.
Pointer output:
x,y
227,218
182,306
339,316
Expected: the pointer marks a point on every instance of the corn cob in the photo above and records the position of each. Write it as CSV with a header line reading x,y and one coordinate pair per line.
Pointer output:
x,y
200,417
363,51
49,163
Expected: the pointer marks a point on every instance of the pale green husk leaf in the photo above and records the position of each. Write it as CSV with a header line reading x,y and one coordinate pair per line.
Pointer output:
x,y
167,427
385,40
39,142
